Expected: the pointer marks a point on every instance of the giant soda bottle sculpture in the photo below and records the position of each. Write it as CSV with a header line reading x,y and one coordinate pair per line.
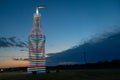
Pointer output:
x,y
37,46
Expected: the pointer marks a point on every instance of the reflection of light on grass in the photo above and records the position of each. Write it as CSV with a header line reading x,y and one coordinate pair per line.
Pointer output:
x,y
1,70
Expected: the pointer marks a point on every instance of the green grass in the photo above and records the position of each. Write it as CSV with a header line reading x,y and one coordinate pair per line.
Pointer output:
x,y
65,75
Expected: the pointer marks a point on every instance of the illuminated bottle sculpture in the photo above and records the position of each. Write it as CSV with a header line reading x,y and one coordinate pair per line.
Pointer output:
x,y
37,46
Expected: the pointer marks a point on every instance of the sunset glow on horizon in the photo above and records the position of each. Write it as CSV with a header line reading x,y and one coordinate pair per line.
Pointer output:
x,y
67,24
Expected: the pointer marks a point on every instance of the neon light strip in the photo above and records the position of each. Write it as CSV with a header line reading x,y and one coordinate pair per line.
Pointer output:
x,y
36,48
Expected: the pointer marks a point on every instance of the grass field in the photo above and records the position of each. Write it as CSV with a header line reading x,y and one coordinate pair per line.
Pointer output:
x,y
65,75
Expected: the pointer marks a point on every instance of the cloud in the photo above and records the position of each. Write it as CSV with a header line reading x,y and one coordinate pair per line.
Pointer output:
x,y
11,42
101,48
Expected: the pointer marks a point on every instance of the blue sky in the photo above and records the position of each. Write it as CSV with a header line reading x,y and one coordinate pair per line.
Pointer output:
x,y
65,22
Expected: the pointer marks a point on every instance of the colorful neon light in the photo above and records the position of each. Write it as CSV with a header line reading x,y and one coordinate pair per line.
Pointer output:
x,y
37,47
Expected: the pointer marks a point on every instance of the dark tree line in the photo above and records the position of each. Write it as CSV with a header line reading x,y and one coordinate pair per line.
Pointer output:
x,y
114,64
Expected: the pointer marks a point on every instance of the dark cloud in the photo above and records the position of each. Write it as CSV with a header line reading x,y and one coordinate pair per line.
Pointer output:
x,y
101,48
11,42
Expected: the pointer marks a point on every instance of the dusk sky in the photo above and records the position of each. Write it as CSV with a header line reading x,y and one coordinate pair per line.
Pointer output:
x,y
66,23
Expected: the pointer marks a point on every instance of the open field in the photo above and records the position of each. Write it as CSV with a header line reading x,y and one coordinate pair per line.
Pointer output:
x,y
65,75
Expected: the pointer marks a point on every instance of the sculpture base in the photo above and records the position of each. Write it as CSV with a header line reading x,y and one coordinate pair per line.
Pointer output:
x,y
36,72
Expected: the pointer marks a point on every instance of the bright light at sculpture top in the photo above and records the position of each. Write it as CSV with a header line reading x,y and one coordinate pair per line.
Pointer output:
x,y
38,7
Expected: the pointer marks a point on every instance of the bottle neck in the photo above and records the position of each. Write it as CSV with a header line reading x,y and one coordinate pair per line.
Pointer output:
x,y
37,21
